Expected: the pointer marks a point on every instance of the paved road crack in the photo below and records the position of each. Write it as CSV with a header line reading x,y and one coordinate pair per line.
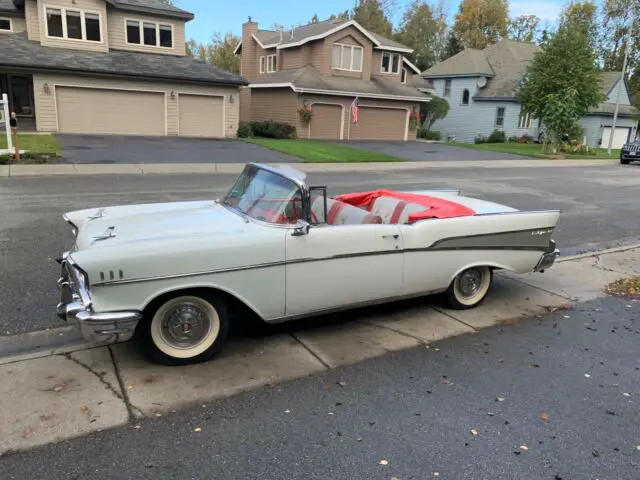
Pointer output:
x,y
444,312
131,409
385,327
99,376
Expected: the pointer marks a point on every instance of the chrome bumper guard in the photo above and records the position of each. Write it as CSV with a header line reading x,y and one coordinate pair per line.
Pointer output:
x,y
548,258
75,307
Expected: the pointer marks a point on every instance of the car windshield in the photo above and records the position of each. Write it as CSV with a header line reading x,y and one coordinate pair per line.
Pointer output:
x,y
265,196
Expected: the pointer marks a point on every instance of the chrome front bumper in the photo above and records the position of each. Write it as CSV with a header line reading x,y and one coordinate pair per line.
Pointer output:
x,y
76,307
548,258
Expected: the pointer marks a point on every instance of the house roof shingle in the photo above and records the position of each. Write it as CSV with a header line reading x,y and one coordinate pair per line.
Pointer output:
x,y
144,6
271,37
18,52
467,62
309,78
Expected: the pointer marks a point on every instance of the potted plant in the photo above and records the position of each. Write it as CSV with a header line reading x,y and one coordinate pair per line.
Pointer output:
x,y
305,114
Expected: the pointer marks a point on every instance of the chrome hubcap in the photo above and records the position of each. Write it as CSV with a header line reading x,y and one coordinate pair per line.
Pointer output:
x,y
185,325
470,282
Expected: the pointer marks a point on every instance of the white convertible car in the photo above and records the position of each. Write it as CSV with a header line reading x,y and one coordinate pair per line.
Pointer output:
x,y
167,274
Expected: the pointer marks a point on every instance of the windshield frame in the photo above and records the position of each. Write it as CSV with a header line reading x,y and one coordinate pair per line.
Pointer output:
x,y
298,181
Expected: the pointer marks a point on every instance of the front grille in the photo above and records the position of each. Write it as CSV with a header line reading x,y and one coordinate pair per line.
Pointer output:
x,y
633,147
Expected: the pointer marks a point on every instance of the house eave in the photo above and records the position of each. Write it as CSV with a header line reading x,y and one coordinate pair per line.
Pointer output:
x,y
122,75
183,15
339,93
456,75
495,99
11,13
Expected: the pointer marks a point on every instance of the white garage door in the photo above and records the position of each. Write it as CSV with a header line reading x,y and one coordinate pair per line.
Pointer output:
x,y
620,137
115,112
201,116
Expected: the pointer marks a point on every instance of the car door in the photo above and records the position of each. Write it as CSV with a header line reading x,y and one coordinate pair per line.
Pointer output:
x,y
338,265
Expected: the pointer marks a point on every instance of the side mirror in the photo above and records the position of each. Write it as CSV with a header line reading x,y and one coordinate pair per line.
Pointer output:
x,y
301,228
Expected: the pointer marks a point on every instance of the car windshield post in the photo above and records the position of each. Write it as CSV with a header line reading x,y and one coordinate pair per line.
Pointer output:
x,y
268,196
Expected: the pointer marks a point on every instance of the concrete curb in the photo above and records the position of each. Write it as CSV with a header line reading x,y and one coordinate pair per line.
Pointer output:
x,y
77,390
235,168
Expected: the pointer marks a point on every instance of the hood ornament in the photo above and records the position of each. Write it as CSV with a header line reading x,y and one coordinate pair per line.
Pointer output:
x,y
95,216
108,233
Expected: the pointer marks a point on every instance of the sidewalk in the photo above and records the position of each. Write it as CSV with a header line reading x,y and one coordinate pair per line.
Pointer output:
x,y
61,396
235,168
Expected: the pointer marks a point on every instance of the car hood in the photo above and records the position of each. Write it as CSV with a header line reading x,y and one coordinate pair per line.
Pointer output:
x,y
115,226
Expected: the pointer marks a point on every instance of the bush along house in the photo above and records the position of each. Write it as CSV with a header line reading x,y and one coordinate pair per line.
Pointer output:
x,y
331,80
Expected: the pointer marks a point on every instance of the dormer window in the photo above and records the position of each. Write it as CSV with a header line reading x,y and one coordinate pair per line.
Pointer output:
x,y
346,57
5,24
73,24
272,64
390,63
151,34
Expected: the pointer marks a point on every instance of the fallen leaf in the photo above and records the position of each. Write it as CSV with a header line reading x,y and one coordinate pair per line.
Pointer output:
x,y
474,432
436,349
524,448
436,474
130,386
499,399
637,447
330,413
137,427
197,429
595,453
626,394
158,414
359,439
534,365
491,414
384,462
544,416
287,411
84,408
57,388
587,375
342,384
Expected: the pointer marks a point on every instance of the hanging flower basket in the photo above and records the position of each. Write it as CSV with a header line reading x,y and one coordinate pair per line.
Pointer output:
x,y
305,114
414,120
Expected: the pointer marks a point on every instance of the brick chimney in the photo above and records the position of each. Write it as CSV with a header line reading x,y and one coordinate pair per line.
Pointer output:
x,y
248,55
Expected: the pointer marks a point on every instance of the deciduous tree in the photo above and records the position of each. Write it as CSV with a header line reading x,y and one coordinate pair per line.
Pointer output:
x,y
371,15
481,22
562,82
452,46
436,109
524,28
423,30
219,52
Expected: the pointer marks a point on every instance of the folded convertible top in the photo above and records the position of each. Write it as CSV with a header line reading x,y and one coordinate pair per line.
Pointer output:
x,y
435,207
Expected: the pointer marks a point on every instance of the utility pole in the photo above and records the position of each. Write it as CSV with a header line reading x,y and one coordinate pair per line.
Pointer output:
x,y
622,85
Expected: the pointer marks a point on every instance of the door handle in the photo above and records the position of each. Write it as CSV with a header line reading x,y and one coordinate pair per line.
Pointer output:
x,y
395,237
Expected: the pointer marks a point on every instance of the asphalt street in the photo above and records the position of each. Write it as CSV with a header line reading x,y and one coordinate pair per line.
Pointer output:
x,y
549,398
597,203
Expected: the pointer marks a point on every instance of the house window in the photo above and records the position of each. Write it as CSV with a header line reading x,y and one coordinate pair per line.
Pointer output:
x,y
73,24
465,97
390,63
524,120
262,64
500,117
403,77
5,24
346,57
272,64
151,34
447,87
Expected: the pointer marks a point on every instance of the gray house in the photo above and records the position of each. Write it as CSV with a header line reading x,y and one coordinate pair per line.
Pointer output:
x,y
480,88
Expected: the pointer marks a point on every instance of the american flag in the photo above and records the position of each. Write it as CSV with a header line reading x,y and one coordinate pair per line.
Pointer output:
x,y
355,106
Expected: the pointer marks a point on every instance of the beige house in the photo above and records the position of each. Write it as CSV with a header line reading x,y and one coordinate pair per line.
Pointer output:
x,y
324,67
110,67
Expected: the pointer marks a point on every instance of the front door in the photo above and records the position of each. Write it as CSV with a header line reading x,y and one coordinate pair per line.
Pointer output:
x,y
340,265
21,95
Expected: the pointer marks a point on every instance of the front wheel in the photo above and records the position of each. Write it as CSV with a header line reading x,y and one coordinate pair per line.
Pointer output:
x,y
184,329
624,161
469,288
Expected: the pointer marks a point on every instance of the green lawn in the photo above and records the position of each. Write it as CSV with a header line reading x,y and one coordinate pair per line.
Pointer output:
x,y
35,143
535,150
312,151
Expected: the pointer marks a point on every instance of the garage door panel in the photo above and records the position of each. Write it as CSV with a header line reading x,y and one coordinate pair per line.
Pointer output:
x,y
201,116
110,112
379,124
326,122
619,138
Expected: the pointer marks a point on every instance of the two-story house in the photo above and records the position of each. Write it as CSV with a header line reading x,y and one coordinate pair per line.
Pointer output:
x,y
110,67
326,66
481,88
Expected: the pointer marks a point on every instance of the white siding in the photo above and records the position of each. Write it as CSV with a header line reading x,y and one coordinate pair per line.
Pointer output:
x,y
594,125
624,97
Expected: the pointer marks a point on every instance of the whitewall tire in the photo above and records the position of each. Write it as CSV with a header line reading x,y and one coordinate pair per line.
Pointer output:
x,y
184,329
469,288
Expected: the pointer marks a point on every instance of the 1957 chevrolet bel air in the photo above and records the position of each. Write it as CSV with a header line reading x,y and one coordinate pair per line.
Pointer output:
x,y
167,274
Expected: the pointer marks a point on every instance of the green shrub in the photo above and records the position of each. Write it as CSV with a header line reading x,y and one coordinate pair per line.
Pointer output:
x,y
480,139
497,136
244,130
512,139
5,159
271,129
428,134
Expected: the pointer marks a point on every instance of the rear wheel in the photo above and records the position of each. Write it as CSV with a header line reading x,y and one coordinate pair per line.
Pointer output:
x,y
184,329
469,288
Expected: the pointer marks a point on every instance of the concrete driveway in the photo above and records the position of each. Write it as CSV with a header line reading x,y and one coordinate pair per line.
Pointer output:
x,y
421,151
125,149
